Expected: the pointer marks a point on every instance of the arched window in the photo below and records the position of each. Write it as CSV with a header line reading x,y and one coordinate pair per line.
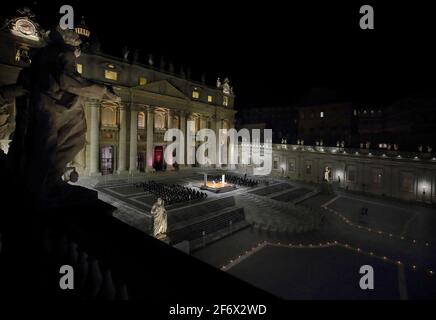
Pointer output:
x,y
108,117
141,120
159,120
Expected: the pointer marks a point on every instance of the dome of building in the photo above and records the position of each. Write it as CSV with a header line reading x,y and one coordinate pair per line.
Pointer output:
x,y
82,29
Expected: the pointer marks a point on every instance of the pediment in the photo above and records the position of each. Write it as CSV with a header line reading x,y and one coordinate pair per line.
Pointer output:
x,y
163,87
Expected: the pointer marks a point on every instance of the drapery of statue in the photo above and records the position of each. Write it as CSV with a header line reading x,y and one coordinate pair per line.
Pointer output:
x,y
50,122
159,215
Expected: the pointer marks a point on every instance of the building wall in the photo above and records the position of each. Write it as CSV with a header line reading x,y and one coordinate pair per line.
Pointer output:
x,y
158,92
403,178
327,122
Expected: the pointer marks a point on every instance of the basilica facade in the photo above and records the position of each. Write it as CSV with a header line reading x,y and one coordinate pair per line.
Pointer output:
x,y
127,136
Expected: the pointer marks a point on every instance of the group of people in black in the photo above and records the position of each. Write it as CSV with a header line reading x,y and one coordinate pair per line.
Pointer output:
x,y
238,180
171,193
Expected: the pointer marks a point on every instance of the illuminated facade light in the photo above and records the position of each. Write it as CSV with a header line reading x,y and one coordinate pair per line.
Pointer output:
x,y
142,81
111,75
195,94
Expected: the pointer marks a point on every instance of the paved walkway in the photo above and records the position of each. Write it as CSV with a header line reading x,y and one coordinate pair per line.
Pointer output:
x,y
413,262
396,239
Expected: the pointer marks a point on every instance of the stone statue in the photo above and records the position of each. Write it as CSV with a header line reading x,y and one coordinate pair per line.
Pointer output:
x,y
150,59
126,52
50,124
226,86
159,215
327,174
218,83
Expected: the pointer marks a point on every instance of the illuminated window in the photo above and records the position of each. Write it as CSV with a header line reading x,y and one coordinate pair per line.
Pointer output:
x,y
108,117
142,81
209,99
111,75
321,114
291,166
79,68
159,120
225,101
141,120
195,94
276,163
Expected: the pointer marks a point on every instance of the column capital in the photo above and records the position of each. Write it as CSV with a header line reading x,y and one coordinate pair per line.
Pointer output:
x,y
150,108
135,106
93,102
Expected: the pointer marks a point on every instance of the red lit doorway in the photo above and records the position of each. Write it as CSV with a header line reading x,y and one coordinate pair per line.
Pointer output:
x,y
158,159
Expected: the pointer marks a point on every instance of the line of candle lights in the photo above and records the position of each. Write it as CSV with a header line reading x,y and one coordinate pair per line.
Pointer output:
x,y
372,230
260,245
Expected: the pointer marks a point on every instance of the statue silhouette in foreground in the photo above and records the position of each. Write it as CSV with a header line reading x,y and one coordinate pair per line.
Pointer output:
x,y
50,122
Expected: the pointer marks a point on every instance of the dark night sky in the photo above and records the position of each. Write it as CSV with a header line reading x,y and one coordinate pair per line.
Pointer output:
x,y
273,52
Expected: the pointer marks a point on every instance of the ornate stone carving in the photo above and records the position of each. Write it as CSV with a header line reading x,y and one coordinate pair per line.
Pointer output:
x,y
51,127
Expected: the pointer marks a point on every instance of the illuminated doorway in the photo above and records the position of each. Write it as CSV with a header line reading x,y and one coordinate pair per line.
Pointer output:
x,y
158,159
107,160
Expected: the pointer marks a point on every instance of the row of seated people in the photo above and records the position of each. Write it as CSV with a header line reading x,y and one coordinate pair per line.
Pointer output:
x,y
238,180
171,193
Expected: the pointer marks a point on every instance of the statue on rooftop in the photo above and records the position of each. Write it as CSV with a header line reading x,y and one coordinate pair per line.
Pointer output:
x,y
226,86
126,52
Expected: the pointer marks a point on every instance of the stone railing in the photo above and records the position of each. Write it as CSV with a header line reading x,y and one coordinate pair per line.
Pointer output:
x,y
379,153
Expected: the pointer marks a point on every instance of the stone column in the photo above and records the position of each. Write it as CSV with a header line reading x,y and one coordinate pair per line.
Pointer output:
x,y
150,133
203,122
122,147
218,126
170,119
133,141
94,148
183,129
